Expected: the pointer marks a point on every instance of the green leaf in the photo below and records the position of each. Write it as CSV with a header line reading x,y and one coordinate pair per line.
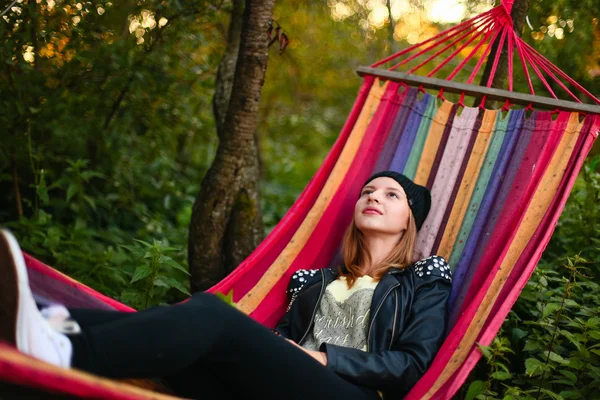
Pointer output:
x,y
486,351
550,308
141,272
52,238
533,366
557,358
42,190
576,363
90,201
552,394
531,345
561,382
571,394
573,338
159,281
475,389
501,375
228,298
71,190
44,217
519,333
132,297
593,322
569,375
136,251
502,366
171,283
43,193
594,335
166,260
571,303
142,242
86,175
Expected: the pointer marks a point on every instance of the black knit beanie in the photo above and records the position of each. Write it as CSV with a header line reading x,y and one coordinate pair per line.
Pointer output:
x,y
419,197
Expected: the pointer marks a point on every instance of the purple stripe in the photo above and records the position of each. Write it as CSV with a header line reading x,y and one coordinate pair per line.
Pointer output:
x,y
519,131
410,133
458,184
442,147
397,130
51,291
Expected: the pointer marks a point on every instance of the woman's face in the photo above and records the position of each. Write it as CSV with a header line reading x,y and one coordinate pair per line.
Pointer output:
x,y
382,208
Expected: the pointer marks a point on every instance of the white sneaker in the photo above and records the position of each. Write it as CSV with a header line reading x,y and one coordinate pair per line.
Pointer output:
x,y
21,323
59,319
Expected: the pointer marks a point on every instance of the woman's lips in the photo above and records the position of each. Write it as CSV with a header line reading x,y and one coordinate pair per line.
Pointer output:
x,y
373,211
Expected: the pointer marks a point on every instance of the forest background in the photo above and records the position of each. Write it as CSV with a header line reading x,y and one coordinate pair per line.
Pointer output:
x,y
109,129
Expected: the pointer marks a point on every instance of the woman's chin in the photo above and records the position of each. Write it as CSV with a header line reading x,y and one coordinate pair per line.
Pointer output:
x,y
371,229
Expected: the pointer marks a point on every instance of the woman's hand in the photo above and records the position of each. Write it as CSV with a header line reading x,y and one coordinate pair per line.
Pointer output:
x,y
317,355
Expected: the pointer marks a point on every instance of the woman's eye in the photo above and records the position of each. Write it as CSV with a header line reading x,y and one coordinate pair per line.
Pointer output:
x,y
392,194
365,192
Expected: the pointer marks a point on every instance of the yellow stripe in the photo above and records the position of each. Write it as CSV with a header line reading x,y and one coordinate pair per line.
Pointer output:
x,y
432,143
276,271
535,212
465,191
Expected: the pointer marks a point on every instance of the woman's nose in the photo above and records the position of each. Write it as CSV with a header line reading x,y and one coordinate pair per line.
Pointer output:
x,y
373,197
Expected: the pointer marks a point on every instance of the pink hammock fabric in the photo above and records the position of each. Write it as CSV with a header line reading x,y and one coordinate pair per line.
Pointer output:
x,y
499,182
557,148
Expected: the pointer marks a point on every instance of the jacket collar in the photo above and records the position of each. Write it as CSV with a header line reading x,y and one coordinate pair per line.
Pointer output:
x,y
389,280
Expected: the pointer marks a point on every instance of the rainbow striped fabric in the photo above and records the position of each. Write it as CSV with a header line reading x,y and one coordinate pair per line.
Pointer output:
x,y
499,181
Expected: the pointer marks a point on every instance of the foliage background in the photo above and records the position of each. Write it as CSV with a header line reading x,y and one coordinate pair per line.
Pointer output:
x,y
108,130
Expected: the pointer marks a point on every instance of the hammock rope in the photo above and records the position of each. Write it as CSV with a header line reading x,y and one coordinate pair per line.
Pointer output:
x,y
484,30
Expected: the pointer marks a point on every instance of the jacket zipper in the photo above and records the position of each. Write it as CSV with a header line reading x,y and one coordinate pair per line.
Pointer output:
x,y
315,309
377,311
394,326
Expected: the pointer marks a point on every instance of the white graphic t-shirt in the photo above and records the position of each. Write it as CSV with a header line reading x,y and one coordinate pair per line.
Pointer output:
x,y
342,318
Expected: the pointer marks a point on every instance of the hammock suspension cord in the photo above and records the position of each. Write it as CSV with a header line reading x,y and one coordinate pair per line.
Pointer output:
x,y
481,33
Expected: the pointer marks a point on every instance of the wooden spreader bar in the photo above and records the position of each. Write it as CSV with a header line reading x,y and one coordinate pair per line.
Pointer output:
x,y
545,103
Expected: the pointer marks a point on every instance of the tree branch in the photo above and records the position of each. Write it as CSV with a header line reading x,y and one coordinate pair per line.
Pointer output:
x,y
8,8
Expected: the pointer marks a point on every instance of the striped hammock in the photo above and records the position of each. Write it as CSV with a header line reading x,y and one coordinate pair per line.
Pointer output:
x,y
499,180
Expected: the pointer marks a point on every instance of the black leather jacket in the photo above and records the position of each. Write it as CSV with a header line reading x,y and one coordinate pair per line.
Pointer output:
x,y
406,327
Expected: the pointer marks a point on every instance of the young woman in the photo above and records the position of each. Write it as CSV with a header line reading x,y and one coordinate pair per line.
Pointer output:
x,y
366,331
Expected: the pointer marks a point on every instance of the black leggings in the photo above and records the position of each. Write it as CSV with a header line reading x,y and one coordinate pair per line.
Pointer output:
x,y
204,348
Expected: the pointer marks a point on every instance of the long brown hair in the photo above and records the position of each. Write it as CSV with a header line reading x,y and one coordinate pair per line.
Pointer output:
x,y
356,253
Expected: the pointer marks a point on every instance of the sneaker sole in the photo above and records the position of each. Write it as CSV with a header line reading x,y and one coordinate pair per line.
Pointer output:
x,y
13,281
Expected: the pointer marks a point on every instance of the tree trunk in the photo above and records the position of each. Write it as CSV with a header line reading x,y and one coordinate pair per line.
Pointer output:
x,y
518,13
245,229
226,70
392,27
221,186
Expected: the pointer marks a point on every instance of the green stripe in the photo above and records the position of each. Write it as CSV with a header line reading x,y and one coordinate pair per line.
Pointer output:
x,y
410,169
480,187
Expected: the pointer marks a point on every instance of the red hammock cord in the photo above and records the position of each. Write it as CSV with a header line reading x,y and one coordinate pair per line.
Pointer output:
x,y
464,24
468,42
484,30
487,21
